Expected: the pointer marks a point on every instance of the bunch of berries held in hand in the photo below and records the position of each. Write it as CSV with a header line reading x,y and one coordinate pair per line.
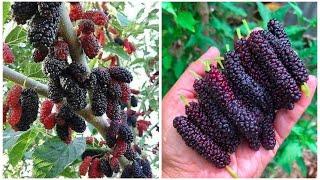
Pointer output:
x,y
239,103
20,108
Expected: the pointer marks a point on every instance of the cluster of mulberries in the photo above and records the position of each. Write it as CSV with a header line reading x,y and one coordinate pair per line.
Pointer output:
x,y
261,76
21,107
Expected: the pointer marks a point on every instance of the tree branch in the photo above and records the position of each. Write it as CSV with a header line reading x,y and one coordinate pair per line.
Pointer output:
x,y
23,80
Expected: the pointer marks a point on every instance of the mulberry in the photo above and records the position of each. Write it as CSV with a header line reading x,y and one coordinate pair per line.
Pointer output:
x,y
30,104
50,10
98,102
222,94
98,17
146,168
125,93
39,54
142,126
53,67
77,101
125,134
15,116
112,133
137,171
61,50
288,58
134,101
55,91
92,152
90,45
242,82
120,148
86,26
114,90
50,121
113,109
130,154
13,96
276,28
127,171
74,121
95,169
106,168
42,31
8,56
285,89
114,164
23,11
84,166
128,46
120,74
102,76
64,133
132,118
76,11
267,134
45,110
198,141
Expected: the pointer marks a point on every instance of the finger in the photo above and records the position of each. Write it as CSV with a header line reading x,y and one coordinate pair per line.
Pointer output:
x,y
286,119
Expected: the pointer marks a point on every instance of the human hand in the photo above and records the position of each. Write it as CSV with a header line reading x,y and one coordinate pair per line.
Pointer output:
x,y
181,161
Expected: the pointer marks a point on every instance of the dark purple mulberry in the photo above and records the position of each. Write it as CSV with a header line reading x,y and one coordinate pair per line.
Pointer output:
x,y
200,142
276,28
105,167
23,11
134,101
55,91
146,168
120,74
285,89
113,109
64,133
243,83
50,10
98,101
137,171
127,171
112,132
73,120
53,67
288,58
125,133
130,154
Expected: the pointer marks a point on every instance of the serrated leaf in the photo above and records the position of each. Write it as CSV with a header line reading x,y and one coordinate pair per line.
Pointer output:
x,y
290,153
17,151
186,21
53,156
179,67
116,49
236,10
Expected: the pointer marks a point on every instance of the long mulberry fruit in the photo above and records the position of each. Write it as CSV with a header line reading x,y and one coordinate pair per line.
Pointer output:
x,y
119,149
8,56
242,82
95,169
125,133
50,10
15,116
198,141
90,45
74,121
53,67
277,29
84,166
86,26
105,167
76,11
45,110
114,164
286,90
13,96
55,91
98,17
98,101
64,133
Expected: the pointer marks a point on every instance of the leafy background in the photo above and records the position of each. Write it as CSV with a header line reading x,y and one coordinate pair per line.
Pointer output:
x,y
189,29
39,153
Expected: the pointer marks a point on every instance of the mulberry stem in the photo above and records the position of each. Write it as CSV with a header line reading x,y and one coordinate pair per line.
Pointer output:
x,y
305,89
219,61
232,172
184,100
206,65
195,75
227,47
246,25
239,33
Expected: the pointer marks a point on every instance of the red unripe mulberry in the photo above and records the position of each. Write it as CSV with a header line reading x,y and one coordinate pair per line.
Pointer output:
x,y
98,17
75,11
84,166
8,55
45,110
50,121
13,96
90,45
95,169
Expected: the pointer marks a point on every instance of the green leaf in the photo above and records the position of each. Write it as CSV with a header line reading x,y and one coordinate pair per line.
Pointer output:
x,y
116,49
52,157
169,8
290,153
6,11
295,32
70,172
281,12
264,13
186,21
122,19
236,10
10,137
167,59
179,67
296,9
18,150
18,34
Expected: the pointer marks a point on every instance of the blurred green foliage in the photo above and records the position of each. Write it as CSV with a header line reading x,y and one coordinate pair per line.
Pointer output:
x,y
189,29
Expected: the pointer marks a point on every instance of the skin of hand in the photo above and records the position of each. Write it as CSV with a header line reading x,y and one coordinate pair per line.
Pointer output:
x,y
182,161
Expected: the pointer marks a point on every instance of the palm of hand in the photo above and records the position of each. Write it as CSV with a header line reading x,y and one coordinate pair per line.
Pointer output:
x,y
181,161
